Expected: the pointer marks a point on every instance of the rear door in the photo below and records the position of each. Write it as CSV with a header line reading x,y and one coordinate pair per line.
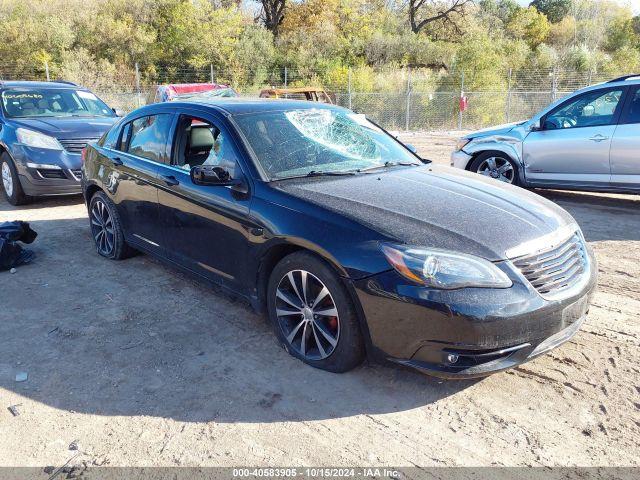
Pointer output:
x,y
143,147
572,148
625,147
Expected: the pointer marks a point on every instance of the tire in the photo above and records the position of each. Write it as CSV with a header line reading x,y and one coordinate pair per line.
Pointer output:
x,y
14,194
103,217
314,321
490,164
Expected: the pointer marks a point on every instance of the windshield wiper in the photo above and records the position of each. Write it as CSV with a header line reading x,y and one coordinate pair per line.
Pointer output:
x,y
320,173
387,165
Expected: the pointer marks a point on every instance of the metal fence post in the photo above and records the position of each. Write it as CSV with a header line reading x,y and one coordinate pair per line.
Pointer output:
x,y
554,85
349,86
138,84
211,73
408,112
286,74
46,69
461,97
509,98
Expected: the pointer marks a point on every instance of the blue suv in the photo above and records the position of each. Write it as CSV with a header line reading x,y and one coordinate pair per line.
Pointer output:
x,y
44,127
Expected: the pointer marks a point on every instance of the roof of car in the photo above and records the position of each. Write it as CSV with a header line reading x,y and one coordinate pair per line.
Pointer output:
x,y
240,106
30,84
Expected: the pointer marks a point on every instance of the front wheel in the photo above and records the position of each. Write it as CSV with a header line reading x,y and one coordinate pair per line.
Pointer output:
x,y
11,183
497,166
313,315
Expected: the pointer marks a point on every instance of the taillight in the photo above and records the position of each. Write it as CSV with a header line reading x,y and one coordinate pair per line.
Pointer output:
x,y
83,153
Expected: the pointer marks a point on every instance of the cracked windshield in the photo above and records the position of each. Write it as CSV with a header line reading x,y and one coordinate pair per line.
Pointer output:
x,y
314,141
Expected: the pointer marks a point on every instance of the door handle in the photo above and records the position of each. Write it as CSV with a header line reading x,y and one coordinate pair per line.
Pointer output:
x,y
599,138
170,180
117,161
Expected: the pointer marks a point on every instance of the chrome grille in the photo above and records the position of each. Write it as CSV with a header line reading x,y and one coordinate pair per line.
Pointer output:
x,y
75,145
556,268
51,173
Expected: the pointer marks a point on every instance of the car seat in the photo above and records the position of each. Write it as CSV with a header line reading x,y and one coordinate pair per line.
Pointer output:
x,y
199,145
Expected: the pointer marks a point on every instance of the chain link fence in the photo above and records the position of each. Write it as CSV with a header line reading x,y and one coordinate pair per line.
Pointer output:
x,y
397,99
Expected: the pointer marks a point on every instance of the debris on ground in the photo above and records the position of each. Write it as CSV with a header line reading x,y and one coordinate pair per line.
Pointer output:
x,y
70,470
74,445
14,410
22,376
11,252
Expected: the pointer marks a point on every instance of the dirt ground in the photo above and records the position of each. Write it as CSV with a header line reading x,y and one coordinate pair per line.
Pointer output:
x,y
140,365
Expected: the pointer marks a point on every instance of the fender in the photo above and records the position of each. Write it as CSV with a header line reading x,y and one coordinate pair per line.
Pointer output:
x,y
509,143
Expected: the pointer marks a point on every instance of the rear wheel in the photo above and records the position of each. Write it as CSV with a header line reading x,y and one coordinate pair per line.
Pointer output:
x,y
497,166
106,228
313,315
11,186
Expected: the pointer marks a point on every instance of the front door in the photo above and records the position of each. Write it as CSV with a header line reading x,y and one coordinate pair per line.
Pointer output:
x,y
625,147
206,227
572,147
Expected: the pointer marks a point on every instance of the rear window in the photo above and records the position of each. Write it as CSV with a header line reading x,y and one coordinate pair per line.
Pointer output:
x,y
52,102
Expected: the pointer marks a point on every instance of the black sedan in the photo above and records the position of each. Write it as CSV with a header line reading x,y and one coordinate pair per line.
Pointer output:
x,y
349,242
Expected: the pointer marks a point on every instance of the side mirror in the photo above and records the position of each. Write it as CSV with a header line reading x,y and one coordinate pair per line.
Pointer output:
x,y
210,175
536,126
118,112
411,148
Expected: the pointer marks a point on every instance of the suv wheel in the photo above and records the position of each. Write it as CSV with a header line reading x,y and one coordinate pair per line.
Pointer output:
x,y
106,229
11,186
497,166
313,315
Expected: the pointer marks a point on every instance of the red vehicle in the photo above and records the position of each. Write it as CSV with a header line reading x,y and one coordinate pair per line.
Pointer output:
x,y
173,91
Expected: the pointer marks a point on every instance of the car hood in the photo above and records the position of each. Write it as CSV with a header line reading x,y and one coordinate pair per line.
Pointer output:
x,y
438,207
497,130
68,127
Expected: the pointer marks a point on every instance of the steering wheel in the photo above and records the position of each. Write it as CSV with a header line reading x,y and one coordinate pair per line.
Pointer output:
x,y
561,122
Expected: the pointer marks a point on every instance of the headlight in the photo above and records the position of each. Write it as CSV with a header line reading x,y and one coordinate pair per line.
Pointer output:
x,y
445,270
31,138
461,143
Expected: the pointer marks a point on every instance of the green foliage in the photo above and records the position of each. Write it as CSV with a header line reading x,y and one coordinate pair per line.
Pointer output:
x,y
621,34
555,10
98,42
530,25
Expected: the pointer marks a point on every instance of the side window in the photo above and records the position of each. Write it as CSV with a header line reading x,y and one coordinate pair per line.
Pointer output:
x,y
633,113
200,142
592,109
149,137
110,139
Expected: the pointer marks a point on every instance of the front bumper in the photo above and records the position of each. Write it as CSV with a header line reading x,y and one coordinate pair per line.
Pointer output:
x,y
47,172
460,159
470,332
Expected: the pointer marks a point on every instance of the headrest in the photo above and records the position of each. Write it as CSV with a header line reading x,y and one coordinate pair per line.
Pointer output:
x,y
200,139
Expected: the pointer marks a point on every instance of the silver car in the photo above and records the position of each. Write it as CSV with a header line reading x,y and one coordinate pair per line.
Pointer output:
x,y
589,140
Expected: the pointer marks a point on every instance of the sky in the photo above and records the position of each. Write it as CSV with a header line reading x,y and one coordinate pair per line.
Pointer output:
x,y
635,4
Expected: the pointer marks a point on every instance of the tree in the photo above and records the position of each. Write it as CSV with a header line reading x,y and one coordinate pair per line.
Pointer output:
x,y
555,10
620,34
530,25
446,13
502,9
272,14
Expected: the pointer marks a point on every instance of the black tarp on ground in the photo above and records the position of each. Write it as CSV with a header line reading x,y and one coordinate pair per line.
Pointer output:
x,y
11,253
